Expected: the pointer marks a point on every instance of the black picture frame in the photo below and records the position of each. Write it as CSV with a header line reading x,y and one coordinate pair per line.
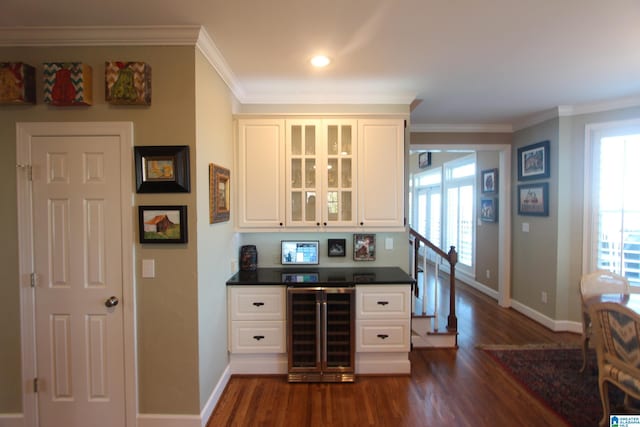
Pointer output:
x,y
336,247
488,210
489,181
424,159
364,247
533,199
170,224
534,161
162,169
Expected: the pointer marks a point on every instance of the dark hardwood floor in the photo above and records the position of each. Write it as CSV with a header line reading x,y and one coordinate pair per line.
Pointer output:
x,y
447,387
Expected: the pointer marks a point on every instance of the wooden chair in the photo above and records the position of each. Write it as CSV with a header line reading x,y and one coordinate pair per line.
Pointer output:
x,y
597,283
616,332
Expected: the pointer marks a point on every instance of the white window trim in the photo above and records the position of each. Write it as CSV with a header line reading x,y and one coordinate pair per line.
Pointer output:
x,y
593,133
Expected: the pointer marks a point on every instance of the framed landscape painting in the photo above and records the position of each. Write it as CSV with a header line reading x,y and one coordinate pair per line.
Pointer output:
x,y
162,169
162,224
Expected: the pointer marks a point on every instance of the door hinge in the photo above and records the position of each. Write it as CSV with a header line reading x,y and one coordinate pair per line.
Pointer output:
x,y
33,279
35,385
28,168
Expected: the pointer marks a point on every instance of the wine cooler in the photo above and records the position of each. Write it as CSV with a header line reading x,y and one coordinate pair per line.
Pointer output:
x,y
321,344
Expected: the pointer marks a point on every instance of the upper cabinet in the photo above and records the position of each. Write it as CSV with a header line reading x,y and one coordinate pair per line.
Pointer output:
x,y
381,173
260,165
322,174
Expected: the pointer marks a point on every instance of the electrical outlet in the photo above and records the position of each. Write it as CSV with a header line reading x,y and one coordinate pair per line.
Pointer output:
x,y
543,297
488,274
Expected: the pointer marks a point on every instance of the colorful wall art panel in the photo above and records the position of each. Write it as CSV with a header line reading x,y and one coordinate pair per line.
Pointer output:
x,y
67,83
17,83
127,83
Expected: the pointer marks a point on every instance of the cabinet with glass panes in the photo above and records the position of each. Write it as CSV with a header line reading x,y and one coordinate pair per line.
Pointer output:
x,y
320,173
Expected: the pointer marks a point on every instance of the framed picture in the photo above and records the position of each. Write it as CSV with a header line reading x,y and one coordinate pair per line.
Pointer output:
x,y
533,161
336,247
162,169
533,199
489,180
219,193
488,209
162,224
424,160
364,247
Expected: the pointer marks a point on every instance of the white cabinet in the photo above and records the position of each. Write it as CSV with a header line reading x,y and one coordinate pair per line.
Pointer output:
x,y
260,160
257,331
320,173
383,328
381,173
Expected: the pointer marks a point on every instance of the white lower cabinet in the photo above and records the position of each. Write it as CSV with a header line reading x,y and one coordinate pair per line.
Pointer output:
x,y
257,331
383,329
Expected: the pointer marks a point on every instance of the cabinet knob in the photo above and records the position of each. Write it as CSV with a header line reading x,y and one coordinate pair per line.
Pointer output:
x,y
325,224
361,223
317,224
281,224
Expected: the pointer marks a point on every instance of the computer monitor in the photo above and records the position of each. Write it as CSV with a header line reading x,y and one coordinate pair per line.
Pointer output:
x,y
299,252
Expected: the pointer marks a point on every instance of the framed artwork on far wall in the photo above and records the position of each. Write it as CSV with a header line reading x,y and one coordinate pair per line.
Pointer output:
x,y
534,161
162,224
162,169
219,194
424,159
489,180
533,199
488,208
364,247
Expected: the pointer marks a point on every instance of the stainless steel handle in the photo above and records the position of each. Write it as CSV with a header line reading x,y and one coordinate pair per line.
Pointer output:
x,y
324,339
318,338
111,302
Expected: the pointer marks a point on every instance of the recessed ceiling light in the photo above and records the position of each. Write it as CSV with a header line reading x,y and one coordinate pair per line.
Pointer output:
x,y
320,61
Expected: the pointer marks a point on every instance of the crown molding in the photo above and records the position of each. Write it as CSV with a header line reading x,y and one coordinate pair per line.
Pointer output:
x,y
461,128
328,98
169,35
210,51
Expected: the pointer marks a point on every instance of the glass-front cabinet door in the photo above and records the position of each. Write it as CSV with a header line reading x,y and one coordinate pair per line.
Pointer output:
x,y
340,172
303,183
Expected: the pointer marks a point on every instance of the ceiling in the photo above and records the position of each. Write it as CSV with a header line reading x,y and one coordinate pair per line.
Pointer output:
x,y
458,62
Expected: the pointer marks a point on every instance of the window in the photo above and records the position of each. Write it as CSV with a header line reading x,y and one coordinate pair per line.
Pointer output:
x,y
613,220
459,216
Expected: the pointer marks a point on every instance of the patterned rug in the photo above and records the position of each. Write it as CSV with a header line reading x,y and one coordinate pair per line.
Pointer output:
x,y
552,374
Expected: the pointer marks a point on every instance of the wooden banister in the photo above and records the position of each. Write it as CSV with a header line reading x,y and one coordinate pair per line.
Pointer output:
x,y
452,259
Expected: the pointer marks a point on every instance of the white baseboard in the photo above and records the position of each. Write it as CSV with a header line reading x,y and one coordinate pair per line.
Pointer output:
x,y
268,364
382,363
12,420
554,325
209,407
168,420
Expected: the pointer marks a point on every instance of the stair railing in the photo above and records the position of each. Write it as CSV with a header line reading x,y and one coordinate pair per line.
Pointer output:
x,y
417,240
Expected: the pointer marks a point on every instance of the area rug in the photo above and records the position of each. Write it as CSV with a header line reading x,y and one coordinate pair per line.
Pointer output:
x,y
552,374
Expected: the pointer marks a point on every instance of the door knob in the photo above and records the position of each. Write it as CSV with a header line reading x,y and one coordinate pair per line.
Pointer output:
x,y
111,302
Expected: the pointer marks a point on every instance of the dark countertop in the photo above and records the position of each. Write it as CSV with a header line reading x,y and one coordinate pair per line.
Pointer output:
x,y
338,276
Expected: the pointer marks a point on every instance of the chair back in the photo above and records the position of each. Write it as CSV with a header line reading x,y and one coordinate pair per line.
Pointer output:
x,y
603,282
617,335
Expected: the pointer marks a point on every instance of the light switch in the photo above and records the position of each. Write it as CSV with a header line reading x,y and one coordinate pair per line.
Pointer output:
x,y
388,243
148,268
525,227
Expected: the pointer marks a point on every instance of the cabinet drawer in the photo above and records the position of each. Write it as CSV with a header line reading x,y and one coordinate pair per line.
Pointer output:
x,y
257,303
258,337
383,302
383,335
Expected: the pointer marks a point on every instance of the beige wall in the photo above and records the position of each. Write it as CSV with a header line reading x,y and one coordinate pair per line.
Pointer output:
x,y
169,345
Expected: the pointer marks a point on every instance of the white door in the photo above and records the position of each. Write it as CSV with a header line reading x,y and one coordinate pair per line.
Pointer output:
x,y
78,296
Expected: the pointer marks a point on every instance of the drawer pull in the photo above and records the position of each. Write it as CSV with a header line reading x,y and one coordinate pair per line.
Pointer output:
x,y
258,304
383,336
258,337
383,303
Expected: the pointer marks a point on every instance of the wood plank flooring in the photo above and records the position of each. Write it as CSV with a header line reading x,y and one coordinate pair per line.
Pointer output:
x,y
447,387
